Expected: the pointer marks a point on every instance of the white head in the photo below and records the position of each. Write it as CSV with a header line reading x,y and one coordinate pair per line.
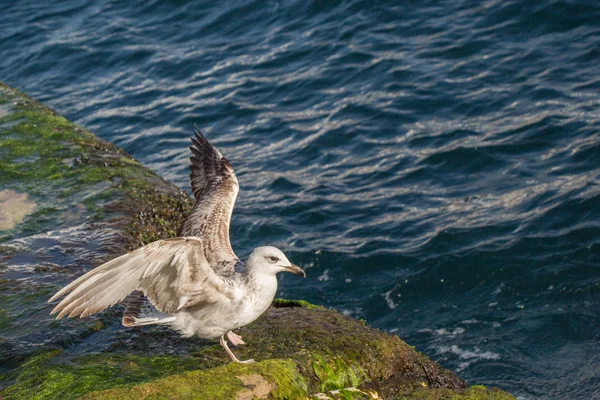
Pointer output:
x,y
270,260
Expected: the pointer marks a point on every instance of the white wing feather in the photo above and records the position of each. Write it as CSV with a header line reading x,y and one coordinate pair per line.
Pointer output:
x,y
172,273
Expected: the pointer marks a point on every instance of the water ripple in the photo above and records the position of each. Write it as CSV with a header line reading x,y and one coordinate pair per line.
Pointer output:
x,y
436,161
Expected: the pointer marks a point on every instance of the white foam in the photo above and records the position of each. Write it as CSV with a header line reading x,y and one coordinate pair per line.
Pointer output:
x,y
498,289
324,277
389,301
470,356
449,332
356,312
444,331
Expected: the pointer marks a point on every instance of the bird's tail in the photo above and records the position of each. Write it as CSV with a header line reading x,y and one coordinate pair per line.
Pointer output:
x,y
139,312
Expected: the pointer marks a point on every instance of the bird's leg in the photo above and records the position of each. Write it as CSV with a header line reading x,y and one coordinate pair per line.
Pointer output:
x,y
235,340
233,357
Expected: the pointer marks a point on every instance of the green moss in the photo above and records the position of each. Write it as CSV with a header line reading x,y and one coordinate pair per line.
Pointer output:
x,y
337,373
334,351
295,303
49,157
280,378
156,216
476,392
329,352
39,378
354,394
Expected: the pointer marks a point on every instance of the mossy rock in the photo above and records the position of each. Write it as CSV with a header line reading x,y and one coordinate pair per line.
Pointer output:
x,y
65,169
84,201
68,202
303,351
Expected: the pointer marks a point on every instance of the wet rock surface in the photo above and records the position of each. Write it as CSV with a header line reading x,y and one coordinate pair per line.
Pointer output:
x,y
82,201
70,201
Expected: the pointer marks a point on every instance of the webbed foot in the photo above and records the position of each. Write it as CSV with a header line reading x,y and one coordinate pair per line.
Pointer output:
x,y
235,339
230,353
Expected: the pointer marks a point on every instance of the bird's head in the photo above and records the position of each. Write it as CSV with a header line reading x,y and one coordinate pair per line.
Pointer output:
x,y
270,260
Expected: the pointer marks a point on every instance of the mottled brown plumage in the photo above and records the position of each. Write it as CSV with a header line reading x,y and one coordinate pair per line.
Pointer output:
x,y
215,188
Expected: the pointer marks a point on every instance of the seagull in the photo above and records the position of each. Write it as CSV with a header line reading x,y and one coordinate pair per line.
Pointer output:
x,y
193,283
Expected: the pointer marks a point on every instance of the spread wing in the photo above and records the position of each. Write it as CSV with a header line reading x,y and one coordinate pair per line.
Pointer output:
x,y
172,273
215,188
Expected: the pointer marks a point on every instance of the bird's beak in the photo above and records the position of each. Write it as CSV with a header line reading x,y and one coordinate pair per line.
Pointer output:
x,y
294,269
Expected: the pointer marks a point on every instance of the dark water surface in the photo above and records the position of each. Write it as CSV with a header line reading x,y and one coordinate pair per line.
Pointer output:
x,y
434,165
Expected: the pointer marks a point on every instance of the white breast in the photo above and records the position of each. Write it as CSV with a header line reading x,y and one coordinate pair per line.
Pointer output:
x,y
257,300
214,320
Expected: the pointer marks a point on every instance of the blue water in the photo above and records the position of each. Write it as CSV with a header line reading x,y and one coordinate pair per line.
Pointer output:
x,y
434,165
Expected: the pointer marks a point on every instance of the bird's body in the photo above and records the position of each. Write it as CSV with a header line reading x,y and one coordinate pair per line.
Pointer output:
x,y
194,284
246,307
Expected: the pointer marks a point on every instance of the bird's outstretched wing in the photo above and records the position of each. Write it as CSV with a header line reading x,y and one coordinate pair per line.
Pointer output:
x,y
172,273
215,188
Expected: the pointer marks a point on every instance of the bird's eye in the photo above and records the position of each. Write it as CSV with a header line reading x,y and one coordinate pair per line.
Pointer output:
x,y
273,259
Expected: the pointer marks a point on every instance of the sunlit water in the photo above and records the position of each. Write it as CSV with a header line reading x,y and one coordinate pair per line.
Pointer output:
x,y
434,165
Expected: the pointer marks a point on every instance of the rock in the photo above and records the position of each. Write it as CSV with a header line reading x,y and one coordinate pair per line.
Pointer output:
x,y
13,208
76,201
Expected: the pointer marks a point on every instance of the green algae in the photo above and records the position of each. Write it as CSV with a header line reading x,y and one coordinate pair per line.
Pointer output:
x,y
337,373
295,303
39,378
225,382
321,350
44,154
333,351
351,393
476,392
77,180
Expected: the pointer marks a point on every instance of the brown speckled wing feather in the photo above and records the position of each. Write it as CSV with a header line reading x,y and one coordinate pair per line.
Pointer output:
x,y
215,188
134,303
171,273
